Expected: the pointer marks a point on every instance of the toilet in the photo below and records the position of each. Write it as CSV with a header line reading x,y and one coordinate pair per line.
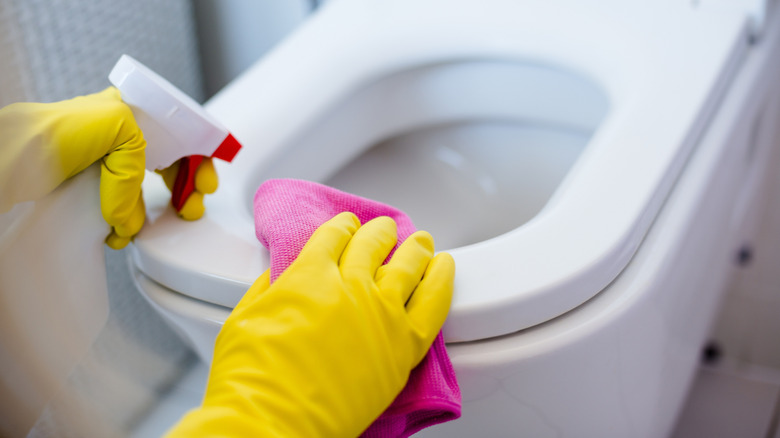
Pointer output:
x,y
592,168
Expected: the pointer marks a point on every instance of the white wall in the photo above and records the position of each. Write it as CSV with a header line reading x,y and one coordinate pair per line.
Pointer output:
x,y
234,34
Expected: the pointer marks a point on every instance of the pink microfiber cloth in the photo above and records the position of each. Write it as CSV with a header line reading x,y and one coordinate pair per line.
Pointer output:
x,y
287,212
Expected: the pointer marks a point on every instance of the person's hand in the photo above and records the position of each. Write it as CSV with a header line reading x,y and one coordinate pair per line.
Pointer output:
x,y
206,182
327,348
45,144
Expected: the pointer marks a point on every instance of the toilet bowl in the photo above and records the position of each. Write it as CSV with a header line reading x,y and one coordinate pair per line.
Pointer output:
x,y
590,172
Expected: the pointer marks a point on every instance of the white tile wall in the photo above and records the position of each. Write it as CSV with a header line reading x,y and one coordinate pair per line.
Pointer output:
x,y
185,395
750,318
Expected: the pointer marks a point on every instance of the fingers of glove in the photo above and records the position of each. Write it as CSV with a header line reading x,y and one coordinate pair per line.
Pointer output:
x,y
135,220
96,127
428,307
206,180
369,248
122,173
111,131
120,185
253,294
193,207
87,128
169,174
115,241
329,240
401,275
122,234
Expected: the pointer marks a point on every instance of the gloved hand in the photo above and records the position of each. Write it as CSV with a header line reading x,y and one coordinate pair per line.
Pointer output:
x,y
324,350
206,182
45,144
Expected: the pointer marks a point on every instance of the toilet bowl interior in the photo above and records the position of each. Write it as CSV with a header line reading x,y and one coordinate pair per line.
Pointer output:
x,y
465,182
469,149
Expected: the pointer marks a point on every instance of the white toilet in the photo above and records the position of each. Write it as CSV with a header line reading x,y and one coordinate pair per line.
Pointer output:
x,y
591,166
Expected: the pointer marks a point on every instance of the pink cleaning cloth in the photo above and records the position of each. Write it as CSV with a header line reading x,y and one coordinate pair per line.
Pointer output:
x,y
287,212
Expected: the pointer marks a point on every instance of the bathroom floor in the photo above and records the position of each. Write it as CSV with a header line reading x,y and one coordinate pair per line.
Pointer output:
x,y
732,401
726,401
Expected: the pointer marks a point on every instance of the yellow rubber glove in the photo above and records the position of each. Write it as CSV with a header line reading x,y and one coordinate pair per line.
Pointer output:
x,y
324,350
206,182
45,144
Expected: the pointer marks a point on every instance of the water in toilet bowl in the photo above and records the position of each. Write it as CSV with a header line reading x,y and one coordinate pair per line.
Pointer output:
x,y
466,182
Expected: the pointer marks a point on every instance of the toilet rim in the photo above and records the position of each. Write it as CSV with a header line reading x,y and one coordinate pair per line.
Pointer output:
x,y
565,255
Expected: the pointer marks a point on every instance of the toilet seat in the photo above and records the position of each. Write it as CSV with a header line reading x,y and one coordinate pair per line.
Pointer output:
x,y
659,102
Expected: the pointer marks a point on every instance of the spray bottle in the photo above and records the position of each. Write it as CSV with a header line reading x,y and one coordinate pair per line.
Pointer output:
x,y
174,126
